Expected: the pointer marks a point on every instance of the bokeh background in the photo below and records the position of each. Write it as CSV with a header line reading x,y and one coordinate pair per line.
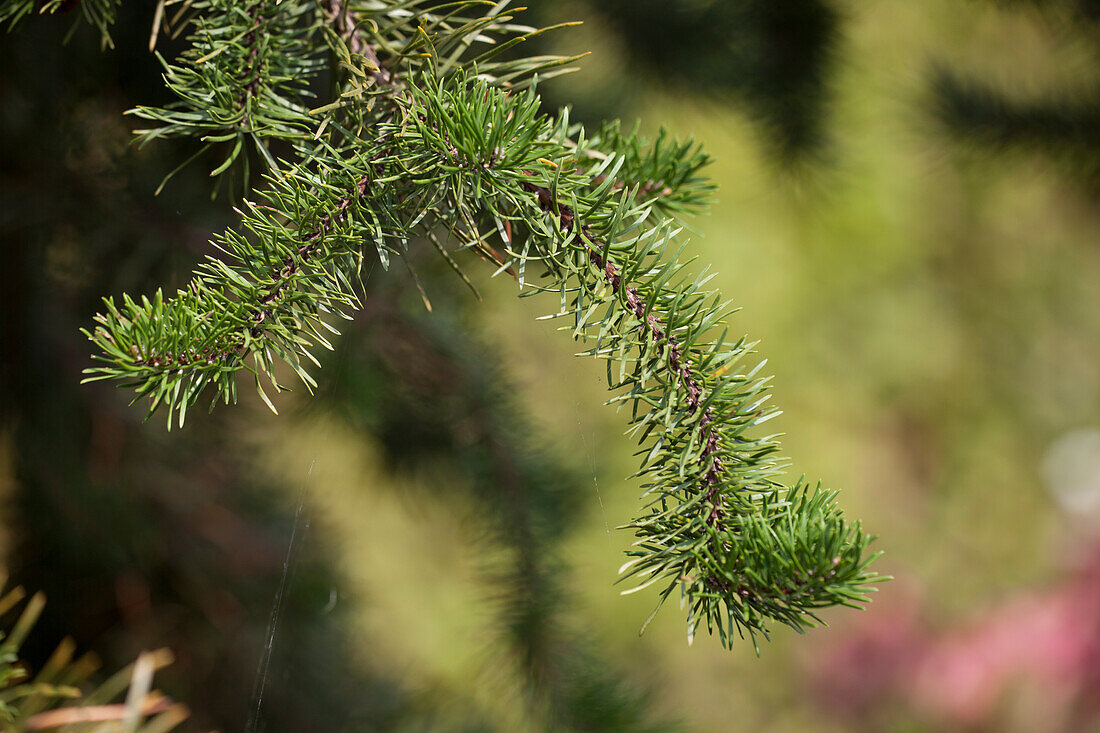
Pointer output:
x,y
907,210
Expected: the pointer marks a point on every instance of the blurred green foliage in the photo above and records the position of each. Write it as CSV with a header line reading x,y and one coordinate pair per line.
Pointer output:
x,y
774,58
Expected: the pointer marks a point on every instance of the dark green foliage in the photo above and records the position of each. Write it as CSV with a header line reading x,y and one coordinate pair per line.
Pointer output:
x,y
1066,130
772,56
1064,127
99,13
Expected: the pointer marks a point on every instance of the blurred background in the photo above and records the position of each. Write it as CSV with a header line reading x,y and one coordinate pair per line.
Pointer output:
x,y
907,210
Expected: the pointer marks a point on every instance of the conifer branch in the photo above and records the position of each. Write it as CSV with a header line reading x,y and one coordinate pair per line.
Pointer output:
x,y
429,139
243,82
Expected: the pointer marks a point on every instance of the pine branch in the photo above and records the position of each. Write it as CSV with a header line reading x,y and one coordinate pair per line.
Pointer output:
x,y
243,81
741,548
428,139
696,535
268,301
